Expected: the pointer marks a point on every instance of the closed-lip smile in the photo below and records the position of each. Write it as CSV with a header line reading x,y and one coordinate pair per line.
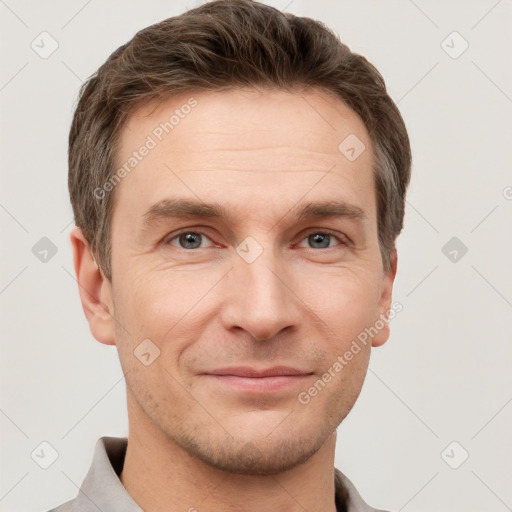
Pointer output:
x,y
250,379
247,371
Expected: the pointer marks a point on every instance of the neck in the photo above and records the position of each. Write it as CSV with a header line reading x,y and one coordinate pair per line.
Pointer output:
x,y
160,476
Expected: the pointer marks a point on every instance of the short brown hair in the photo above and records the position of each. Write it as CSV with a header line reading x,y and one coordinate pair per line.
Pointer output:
x,y
221,45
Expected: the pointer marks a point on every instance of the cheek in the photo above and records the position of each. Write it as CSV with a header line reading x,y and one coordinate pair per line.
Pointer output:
x,y
343,298
149,299
167,307
172,306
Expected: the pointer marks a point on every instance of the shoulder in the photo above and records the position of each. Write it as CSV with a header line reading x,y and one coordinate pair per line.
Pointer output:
x,y
65,507
347,494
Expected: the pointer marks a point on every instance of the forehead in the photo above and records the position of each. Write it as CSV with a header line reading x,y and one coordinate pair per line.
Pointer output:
x,y
245,119
233,145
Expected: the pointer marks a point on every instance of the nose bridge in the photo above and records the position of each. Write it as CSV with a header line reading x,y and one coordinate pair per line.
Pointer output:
x,y
260,300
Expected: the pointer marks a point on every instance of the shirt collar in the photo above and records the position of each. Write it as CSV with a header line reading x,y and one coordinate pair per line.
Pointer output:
x,y
102,490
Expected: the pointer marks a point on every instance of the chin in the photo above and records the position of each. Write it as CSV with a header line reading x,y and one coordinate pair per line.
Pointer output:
x,y
260,443
259,456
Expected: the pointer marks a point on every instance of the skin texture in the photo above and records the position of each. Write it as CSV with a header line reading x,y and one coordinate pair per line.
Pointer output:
x,y
195,440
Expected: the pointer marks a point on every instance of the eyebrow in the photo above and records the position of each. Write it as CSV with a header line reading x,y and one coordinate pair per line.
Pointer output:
x,y
186,208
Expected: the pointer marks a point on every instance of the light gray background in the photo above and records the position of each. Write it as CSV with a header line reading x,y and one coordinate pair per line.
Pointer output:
x,y
443,376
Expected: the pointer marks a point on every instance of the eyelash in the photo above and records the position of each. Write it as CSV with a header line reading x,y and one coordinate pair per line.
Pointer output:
x,y
342,239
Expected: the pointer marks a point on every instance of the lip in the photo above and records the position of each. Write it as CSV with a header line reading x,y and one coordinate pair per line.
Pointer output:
x,y
248,371
255,380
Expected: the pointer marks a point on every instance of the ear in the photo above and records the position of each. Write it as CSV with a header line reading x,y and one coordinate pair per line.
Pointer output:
x,y
385,301
94,288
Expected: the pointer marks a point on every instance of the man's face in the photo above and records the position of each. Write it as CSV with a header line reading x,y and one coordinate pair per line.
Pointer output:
x,y
226,299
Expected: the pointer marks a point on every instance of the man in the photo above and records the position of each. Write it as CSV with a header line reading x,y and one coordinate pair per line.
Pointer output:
x,y
238,179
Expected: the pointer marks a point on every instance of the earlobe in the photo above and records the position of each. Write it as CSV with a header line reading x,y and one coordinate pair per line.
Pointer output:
x,y
94,289
386,297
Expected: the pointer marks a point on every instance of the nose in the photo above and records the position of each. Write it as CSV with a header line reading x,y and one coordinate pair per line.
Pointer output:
x,y
259,297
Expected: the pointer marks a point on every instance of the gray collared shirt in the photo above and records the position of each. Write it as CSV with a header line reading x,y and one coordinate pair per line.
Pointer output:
x,y
102,491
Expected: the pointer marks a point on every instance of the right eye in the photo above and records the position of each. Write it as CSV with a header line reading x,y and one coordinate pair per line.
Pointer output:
x,y
187,240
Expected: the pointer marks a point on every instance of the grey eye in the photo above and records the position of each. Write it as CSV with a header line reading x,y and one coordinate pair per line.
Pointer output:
x,y
190,240
319,240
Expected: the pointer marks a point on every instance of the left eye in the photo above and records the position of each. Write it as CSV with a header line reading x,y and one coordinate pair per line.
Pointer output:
x,y
193,240
322,240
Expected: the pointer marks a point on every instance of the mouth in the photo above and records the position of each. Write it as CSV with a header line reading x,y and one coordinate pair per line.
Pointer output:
x,y
248,379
